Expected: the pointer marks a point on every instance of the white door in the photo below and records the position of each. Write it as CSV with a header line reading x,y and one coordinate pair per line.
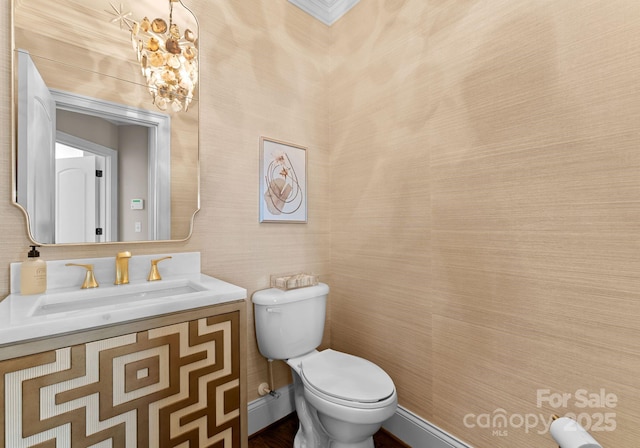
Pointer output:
x,y
70,146
36,149
76,200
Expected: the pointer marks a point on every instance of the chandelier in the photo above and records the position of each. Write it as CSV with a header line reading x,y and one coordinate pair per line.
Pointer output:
x,y
168,57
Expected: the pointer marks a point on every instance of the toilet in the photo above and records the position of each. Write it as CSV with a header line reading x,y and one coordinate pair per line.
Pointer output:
x,y
341,399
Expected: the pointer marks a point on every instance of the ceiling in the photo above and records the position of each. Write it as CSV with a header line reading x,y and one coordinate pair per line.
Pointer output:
x,y
327,11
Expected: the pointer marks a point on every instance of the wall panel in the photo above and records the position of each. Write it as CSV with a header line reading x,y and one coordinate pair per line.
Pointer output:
x,y
507,266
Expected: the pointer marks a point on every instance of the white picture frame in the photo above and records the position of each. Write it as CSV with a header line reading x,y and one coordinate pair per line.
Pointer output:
x,y
283,182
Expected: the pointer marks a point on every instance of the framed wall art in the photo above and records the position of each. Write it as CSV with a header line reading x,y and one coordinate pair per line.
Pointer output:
x,y
283,182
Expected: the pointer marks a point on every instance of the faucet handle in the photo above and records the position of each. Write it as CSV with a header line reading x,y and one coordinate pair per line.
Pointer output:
x,y
154,274
89,278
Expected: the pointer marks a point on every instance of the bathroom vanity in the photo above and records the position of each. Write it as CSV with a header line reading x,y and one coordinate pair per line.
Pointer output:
x,y
142,372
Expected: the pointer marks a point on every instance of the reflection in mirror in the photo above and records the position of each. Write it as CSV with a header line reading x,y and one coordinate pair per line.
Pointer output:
x,y
96,161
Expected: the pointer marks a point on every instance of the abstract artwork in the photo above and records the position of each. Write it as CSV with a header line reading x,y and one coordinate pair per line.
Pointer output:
x,y
283,182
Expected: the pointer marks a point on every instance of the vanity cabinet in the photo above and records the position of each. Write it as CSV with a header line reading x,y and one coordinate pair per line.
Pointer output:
x,y
173,381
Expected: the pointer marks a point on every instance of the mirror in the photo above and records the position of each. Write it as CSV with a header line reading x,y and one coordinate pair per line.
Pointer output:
x,y
95,160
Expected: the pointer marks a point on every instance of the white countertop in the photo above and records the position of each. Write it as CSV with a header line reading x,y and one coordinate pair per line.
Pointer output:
x,y
23,318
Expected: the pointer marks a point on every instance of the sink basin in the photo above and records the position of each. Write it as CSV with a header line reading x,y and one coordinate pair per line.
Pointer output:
x,y
65,308
68,302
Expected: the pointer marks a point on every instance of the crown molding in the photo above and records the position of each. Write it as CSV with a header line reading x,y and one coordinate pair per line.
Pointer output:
x,y
327,11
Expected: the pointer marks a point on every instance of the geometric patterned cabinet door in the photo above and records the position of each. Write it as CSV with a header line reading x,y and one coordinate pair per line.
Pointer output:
x,y
174,386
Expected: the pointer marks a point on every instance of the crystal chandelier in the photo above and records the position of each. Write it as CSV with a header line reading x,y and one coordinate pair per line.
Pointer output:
x,y
168,58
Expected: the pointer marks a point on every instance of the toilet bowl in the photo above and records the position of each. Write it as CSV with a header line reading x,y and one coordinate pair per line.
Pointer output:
x,y
341,399
350,396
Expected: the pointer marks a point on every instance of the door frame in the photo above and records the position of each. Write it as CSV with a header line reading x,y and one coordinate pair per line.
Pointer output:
x,y
159,150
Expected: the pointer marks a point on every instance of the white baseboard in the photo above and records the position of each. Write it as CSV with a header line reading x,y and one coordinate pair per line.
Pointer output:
x,y
404,425
418,432
268,409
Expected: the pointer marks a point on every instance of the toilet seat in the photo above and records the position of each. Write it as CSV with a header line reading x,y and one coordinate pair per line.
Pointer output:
x,y
340,378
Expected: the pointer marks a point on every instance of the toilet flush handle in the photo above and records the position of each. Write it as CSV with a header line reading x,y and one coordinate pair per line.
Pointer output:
x,y
271,309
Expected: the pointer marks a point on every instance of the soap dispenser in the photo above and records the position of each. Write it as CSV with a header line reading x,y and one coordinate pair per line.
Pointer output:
x,y
33,274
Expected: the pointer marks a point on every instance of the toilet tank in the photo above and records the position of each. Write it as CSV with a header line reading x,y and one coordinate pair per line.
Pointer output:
x,y
289,323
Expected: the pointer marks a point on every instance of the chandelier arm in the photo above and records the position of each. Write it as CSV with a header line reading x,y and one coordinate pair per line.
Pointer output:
x,y
170,14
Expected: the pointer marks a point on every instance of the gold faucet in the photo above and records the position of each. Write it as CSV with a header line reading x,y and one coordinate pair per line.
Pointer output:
x,y
154,274
122,268
89,278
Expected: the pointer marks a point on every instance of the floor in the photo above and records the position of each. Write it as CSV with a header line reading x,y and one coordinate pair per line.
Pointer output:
x,y
281,434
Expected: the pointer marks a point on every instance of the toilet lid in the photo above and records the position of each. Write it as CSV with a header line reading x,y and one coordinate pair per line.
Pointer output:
x,y
347,377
